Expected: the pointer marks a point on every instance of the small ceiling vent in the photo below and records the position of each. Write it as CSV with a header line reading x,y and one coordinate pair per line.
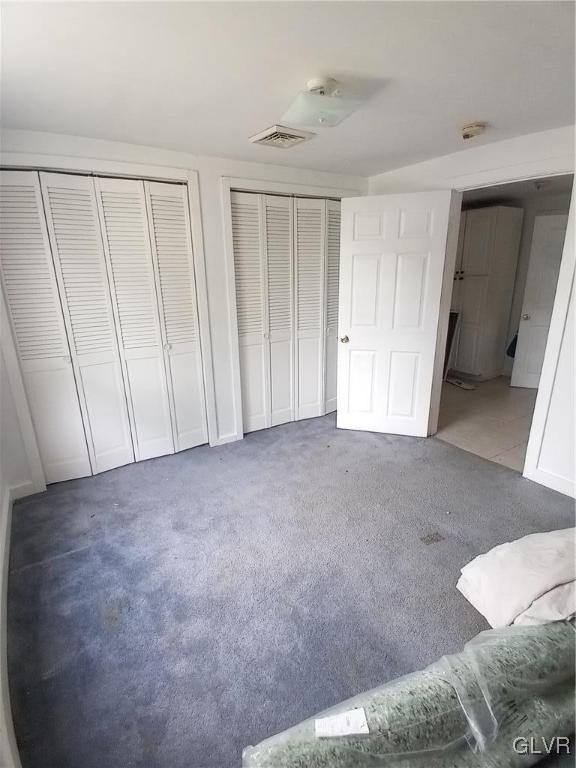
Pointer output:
x,y
281,137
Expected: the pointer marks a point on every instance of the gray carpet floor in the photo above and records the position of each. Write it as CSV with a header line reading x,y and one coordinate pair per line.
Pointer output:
x,y
168,613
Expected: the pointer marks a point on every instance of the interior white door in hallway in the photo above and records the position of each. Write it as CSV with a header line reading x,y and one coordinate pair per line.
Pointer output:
x,y
396,272
543,268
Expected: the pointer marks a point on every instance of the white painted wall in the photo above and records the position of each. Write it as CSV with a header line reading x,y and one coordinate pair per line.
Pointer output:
x,y
23,148
547,153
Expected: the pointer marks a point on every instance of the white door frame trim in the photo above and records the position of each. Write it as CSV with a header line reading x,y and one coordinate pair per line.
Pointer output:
x,y
113,168
558,325
229,183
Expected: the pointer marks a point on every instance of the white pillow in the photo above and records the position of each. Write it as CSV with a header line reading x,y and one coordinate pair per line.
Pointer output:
x,y
503,583
556,605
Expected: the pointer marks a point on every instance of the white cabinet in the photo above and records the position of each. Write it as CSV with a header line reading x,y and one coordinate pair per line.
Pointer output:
x,y
99,282
483,287
286,256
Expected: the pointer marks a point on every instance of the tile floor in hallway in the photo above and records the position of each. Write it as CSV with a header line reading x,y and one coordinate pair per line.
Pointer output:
x,y
492,421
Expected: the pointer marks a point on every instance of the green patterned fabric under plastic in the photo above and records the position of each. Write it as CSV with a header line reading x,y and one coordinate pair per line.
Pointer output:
x,y
469,709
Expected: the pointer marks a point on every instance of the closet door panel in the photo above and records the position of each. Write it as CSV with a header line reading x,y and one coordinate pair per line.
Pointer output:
x,y
122,209
253,382
72,217
250,274
38,327
172,250
332,288
309,259
103,388
188,392
279,227
53,401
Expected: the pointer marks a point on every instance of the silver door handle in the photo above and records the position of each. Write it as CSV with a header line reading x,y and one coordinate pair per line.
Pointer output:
x,y
525,317
167,347
344,339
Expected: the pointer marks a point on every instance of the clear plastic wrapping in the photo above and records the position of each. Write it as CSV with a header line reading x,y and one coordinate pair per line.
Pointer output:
x,y
468,709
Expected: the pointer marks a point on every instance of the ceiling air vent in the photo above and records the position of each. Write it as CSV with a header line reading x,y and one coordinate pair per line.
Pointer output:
x,y
281,137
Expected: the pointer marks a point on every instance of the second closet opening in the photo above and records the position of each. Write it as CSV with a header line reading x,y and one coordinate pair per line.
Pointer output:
x,y
286,261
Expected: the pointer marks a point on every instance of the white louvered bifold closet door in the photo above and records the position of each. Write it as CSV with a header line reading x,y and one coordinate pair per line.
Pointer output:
x,y
170,235
73,226
332,275
250,273
309,247
38,326
123,218
278,247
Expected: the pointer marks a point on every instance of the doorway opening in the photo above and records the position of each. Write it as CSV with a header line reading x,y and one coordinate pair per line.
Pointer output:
x,y
509,252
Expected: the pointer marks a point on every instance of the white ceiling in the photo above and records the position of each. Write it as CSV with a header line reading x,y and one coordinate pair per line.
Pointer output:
x,y
520,191
203,77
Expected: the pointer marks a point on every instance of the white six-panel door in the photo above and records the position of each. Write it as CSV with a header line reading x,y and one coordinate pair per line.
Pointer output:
x,y
543,269
169,226
124,224
392,265
38,327
72,217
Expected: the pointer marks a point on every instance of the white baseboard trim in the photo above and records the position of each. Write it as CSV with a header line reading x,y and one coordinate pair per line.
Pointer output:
x,y
9,757
24,489
555,482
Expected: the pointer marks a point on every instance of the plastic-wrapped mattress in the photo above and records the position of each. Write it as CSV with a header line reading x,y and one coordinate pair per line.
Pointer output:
x,y
504,701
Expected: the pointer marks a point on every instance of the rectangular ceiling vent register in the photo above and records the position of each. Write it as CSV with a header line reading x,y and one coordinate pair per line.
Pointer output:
x,y
281,137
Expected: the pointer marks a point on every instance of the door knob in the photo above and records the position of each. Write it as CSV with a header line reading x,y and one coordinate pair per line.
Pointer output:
x,y
525,317
344,339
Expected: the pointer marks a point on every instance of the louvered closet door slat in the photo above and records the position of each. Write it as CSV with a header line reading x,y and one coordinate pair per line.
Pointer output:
x,y
170,234
38,327
309,258
124,223
332,288
278,213
250,275
72,216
